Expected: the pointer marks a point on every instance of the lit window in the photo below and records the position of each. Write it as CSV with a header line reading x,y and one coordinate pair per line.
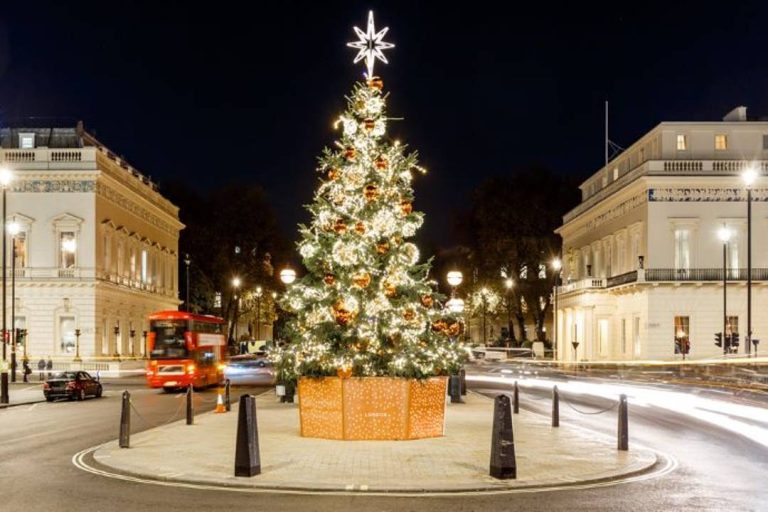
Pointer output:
x,y
615,173
682,334
20,249
524,272
68,249
27,141
542,271
682,143
143,265
721,142
682,249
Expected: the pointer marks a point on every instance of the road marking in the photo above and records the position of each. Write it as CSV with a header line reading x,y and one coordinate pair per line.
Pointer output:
x,y
668,465
39,434
31,407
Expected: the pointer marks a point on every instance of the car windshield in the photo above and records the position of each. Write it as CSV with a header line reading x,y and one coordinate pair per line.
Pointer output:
x,y
65,375
169,339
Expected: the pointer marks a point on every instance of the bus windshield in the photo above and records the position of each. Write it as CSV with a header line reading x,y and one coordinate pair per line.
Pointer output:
x,y
169,339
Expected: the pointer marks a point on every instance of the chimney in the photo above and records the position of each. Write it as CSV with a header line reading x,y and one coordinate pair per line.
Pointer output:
x,y
737,114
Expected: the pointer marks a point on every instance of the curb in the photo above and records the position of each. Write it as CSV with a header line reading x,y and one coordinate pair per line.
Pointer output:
x,y
659,466
16,404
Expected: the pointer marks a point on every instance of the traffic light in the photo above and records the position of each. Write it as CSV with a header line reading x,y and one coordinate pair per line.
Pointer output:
x,y
735,340
719,339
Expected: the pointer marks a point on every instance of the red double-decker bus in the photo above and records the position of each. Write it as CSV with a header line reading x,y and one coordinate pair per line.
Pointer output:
x,y
185,348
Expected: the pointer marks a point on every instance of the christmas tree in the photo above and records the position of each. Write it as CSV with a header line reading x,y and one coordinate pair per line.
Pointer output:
x,y
367,306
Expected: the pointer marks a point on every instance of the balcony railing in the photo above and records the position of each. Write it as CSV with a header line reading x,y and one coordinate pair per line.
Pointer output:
x,y
666,275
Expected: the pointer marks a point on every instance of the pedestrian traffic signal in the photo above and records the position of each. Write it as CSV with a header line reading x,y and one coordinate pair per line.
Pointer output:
x,y
735,340
719,339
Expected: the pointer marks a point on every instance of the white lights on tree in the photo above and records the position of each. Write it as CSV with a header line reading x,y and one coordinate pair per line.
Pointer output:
x,y
371,45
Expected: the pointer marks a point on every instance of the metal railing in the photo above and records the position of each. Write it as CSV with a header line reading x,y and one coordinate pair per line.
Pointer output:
x,y
704,274
629,277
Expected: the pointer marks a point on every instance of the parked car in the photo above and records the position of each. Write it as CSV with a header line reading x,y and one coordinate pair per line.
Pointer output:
x,y
250,369
72,385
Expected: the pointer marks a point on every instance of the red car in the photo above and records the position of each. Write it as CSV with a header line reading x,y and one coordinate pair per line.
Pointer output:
x,y
72,385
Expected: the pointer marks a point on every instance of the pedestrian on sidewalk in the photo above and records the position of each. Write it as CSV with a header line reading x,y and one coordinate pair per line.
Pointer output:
x,y
41,369
27,369
49,367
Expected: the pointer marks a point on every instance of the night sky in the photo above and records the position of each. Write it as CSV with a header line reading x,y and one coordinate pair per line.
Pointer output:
x,y
248,91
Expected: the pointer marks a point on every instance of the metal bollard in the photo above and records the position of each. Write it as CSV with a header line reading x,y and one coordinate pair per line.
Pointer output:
x,y
190,406
555,407
227,399
516,402
503,463
125,421
247,457
290,390
623,423
463,378
4,398
454,389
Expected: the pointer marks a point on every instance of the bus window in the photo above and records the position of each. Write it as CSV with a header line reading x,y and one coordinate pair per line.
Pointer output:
x,y
169,339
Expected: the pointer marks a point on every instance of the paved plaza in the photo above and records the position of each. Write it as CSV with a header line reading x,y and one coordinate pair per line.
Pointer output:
x,y
459,461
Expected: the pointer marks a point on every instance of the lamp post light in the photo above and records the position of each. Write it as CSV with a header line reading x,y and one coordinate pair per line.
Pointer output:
x,y
13,230
144,344
187,262
6,177
236,282
749,176
483,294
77,346
287,276
455,278
132,336
725,236
557,266
455,305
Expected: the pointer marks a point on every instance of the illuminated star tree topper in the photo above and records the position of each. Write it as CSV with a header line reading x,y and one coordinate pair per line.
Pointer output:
x,y
371,45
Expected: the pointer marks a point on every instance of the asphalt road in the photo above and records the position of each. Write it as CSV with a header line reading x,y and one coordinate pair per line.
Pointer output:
x,y
717,470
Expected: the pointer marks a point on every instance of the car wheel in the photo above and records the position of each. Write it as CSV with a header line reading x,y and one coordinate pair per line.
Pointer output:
x,y
81,395
99,391
49,398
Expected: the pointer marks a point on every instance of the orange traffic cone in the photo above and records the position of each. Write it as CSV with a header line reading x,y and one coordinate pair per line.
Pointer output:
x,y
220,403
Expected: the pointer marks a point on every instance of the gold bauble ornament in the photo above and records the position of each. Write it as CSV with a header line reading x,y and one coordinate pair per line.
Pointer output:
x,y
439,326
381,163
371,192
362,280
360,228
454,329
389,289
340,227
409,315
406,207
350,154
341,313
375,83
427,301
368,124
329,279
333,174
382,247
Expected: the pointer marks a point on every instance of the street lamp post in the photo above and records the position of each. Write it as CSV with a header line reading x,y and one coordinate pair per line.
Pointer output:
x,y
509,283
6,176
455,278
13,230
187,262
483,293
557,265
77,346
749,177
236,282
259,292
132,336
725,236
117,340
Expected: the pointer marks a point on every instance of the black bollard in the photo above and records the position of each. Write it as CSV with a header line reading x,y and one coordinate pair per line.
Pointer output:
x,y
516,402
125,421
623,423
503,464
227,399
4,398
290,390
247,457
555,407
454,389
463,377
190,406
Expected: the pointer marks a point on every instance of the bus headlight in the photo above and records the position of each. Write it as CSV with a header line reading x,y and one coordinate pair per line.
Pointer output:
x,y
191,369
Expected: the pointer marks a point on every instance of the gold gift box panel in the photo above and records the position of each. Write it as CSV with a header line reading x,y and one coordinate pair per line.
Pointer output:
x,y
372,408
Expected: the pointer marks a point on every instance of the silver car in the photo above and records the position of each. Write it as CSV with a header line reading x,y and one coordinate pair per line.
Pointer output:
x,y
250,371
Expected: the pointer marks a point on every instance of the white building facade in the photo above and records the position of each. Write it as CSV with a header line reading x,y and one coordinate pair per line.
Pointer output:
x,y
97,249
642,259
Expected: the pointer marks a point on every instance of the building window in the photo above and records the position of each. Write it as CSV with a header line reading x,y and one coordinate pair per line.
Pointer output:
x,y
144,265
623,335
615,173
132,263
20,249
682,249
107,253
26,141
733,254
682,334
524,272
636,336
721,142
68,249
682,143
120,258
602,341
765,141
67,334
